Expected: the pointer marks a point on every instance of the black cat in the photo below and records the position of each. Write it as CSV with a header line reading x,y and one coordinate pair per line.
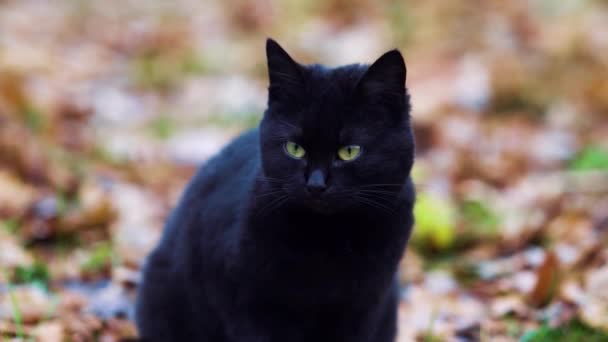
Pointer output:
x,y
295,230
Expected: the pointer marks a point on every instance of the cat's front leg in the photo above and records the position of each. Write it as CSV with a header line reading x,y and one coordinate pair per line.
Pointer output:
x,y
263,324
161,314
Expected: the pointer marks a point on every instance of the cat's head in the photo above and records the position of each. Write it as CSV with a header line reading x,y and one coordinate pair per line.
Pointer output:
x,y
336,138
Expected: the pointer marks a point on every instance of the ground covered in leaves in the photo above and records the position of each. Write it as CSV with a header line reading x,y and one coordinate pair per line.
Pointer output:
x,y
107,108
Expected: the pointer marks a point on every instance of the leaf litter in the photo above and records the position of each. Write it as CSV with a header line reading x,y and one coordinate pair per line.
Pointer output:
x,y
106,110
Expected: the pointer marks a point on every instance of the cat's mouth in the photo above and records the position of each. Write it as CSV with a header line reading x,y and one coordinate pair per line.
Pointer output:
x,y
319,206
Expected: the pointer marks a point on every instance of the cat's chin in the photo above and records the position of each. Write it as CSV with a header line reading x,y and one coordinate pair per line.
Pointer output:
x,y
320,207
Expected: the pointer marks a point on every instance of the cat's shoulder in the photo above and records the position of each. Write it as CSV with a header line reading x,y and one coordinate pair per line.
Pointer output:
x,y
243,147
233,163
246,143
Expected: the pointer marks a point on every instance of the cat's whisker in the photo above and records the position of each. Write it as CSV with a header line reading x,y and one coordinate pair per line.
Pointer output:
x,y
381,185
272,205
383,198
279,204
375,203
270,180
271,193
378,198
383,192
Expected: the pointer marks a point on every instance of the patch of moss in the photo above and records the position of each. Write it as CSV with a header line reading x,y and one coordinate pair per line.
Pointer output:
x,y
245,120
151,71
481,219
100,258
162,127
37,274
15,310
403,23
192,63
161,71
465,271
34,119
574,331
10,225
590,158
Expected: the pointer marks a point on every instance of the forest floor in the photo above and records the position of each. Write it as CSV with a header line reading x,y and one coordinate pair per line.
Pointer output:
x,y
107,108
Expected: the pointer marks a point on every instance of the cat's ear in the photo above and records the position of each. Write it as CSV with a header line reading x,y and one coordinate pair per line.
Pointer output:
x,y
385,77
284,73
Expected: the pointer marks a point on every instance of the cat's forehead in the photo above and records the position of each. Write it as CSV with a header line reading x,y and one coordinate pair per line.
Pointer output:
x,y
330,91
330,121
325,110
337,81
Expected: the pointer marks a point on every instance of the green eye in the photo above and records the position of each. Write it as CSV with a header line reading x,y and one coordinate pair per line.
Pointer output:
x,y
349,152
294,150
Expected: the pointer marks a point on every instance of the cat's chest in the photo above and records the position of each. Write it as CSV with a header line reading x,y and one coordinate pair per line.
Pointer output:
x,y
327,259
327,248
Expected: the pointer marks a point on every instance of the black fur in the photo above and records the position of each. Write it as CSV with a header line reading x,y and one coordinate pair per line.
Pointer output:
x,y
251,255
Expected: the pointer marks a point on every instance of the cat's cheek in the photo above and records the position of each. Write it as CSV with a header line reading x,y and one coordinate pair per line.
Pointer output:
x,y
337,163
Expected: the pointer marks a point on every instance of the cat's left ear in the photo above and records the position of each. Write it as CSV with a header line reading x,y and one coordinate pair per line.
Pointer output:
x,y
284,73
385,77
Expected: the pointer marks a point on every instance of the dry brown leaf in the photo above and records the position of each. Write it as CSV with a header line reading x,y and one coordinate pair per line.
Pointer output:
x,y
95,209
594,307
12,254
51,331
34,304
511,304
547,280
410,268
13,98
15,196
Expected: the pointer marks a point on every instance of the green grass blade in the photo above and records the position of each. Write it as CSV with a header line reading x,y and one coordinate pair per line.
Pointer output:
x,y
15,306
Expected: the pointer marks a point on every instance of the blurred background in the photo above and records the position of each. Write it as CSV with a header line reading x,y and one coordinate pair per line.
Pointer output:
x,y
107,108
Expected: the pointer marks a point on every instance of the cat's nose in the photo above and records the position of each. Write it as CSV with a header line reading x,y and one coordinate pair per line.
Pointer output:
x,y
316,182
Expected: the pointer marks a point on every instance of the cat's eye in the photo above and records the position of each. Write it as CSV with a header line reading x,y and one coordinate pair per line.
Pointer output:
x,y
294,150
350,152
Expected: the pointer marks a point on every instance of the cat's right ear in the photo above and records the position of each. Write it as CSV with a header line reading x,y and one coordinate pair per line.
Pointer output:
x,y
385,77
283,72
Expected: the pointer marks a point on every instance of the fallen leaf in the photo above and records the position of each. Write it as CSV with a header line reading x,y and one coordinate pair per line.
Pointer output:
x,y
547,281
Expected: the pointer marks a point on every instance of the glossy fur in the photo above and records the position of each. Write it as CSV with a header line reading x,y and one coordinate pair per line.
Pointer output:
x,y
264,247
